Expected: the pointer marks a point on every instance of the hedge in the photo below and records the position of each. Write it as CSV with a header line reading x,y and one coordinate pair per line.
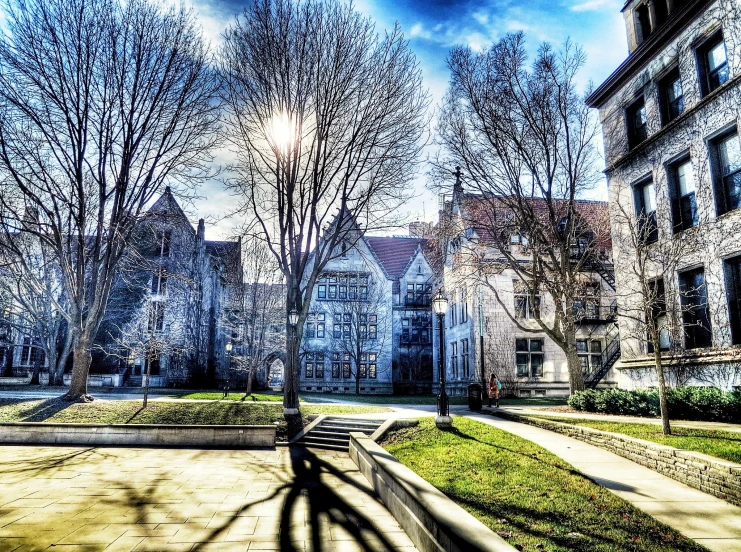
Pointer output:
x,y
708,404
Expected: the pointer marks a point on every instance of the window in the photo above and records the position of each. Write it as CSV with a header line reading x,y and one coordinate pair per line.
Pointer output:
x,y
31,353
713,64
453,310
332,291
684,204
164,243
346,365
464,358
320,321
529,357
415,328
159,280
419,294
728,173
337,331
344,250
310,330
587,306
695,315
464,307
657,302
309,365
156,316
732,268
372,326
671,96
527,305
335,365
590,354
645,202
319,365
636,118
643,22
454,359
372,366
321,291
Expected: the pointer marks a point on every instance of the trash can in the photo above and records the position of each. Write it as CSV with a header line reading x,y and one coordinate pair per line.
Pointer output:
x,y
474,397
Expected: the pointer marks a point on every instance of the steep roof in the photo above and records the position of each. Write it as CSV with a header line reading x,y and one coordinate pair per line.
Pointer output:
x,y
230,254
394,253
167,206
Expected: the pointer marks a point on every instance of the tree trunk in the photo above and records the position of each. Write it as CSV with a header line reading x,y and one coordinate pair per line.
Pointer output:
x,y
663,407
58,371
82,359
576,376
36,370
250,376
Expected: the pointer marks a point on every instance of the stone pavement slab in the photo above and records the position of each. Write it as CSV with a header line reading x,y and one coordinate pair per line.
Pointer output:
x,y
710,521
126,499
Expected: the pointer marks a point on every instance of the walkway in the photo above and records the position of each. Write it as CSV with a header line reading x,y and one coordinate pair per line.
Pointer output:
x,y
72,498
710,521
544,411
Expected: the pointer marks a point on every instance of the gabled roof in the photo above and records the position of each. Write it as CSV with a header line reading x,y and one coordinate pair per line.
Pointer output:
x,y
394,253
168,206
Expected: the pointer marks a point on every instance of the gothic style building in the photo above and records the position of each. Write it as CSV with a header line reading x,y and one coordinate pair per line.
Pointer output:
x,y
670,116
480,336
177,302
369,326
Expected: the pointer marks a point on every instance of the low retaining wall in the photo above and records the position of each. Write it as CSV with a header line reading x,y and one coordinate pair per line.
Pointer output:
x,y
127,435
431,519
705,473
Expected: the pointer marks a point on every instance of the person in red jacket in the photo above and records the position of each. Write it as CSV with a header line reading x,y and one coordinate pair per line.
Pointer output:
x,y
494,387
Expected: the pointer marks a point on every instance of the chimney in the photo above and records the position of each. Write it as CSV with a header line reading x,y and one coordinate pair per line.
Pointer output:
x,y
201,234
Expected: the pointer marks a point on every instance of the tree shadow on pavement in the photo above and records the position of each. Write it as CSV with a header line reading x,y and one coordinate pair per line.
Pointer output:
x,y
45,410
312,494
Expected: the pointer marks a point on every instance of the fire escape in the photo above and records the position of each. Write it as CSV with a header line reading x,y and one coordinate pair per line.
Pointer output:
x,y
598,315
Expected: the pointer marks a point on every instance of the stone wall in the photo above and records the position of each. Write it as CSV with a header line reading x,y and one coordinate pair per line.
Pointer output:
x,y
700,471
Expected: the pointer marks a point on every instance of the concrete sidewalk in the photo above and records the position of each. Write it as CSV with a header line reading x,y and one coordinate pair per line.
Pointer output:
x,y
710,521
543,411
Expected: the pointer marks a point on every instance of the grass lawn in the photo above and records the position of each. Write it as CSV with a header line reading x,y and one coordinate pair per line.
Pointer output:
x,y
529,496
233,396
721,444
423,399
176,413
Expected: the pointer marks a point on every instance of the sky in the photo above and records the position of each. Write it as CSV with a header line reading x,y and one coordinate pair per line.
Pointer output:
x,y
433,27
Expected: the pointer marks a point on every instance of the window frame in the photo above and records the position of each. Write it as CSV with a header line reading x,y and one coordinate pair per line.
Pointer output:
x,y
733,295
695,315
722,197
679,224
648,227
701,54
631,110
671,77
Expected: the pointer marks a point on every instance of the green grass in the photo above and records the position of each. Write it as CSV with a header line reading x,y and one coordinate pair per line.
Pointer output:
x,y
721,444
233,396
423,399
170,413
526,494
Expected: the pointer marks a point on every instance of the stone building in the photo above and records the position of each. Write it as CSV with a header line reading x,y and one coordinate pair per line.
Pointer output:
x,y
370,316
670,116
481,338
174,306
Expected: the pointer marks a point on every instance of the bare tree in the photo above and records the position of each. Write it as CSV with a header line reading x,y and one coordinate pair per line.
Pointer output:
x,y
262,320
103,101
360,327
526,142
499,356
31,283
326,120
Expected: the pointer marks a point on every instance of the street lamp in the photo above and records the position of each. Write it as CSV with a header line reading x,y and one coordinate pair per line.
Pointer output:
x,y
229,346
290,401
440,307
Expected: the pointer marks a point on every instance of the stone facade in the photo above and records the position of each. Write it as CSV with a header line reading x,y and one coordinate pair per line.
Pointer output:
x,y
475,313
370,315
670,116
172,307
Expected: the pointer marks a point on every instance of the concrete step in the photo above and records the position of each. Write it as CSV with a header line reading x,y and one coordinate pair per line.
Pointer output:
x,y
336,434
350,421
345,429
310,439
343,448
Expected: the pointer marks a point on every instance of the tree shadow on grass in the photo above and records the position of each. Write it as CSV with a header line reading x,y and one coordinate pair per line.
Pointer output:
x,y
45,410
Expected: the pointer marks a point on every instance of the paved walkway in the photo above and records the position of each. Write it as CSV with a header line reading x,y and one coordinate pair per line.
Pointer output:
x,y
73,498
710,521
543,411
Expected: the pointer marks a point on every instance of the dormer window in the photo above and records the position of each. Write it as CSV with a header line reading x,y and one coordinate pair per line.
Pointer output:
x,y
643,22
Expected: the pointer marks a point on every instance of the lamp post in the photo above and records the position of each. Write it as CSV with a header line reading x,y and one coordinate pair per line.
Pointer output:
x,y
229,346
440,307
290,401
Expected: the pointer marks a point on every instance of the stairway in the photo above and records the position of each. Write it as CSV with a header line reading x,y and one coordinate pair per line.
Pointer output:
x,y
133,381
334,433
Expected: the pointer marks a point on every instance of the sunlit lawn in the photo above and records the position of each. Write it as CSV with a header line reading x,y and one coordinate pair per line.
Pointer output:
x,y
721,444
526,494
233,396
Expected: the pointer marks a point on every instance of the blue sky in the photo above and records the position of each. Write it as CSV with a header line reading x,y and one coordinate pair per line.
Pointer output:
x,y
434,26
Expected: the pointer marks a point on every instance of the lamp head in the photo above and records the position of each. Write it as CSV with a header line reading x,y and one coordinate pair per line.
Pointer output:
x,y
229,346
293,317
440,303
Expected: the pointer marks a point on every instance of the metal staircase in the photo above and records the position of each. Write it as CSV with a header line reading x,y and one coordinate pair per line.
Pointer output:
x,y
610,356
334,433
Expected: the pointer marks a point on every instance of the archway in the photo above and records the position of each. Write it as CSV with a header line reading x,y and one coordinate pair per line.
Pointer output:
x,y
273,369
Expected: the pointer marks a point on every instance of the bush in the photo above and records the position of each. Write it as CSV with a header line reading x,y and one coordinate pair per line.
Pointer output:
x,y
685,403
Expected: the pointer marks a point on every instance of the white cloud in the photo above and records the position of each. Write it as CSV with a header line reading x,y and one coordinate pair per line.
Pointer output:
x,y
591,5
